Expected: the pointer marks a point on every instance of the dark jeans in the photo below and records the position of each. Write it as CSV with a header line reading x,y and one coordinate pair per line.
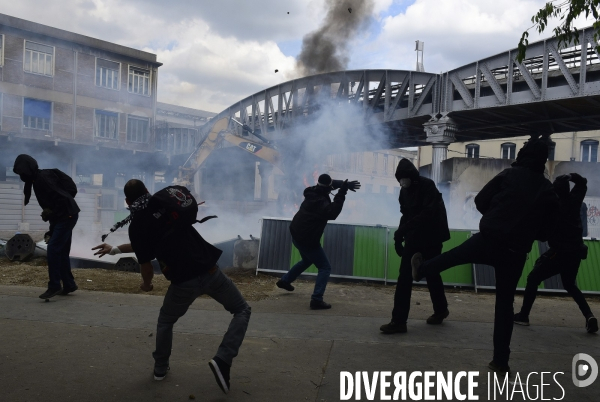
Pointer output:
x,y
405,282
176,303
508,267
311,256
549,264
59,248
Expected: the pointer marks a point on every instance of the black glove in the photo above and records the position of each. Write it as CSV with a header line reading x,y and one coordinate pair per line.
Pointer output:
x,y
46,213
344,187
577,178
47,237
354,185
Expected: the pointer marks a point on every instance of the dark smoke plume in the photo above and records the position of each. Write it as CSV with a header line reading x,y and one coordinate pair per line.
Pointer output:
x,y
325,49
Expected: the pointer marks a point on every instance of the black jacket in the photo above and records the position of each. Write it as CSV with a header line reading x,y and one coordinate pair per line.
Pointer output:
x,y
309,222
567,232
518,207
53,189
424,223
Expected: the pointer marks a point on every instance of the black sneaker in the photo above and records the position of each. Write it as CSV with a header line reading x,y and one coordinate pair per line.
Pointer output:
x,y
285,285
415,262
438,318
66,291
521,319
221,371
499,369
591,324
50,293
319,305
161,376
393,328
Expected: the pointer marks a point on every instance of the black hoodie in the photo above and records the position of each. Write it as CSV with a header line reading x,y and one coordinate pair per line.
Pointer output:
x,y
309,222
567,232
424,223
53,189
519,204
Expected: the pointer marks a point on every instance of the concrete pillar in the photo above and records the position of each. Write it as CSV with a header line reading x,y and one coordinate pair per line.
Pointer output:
x,y
264,170
440,134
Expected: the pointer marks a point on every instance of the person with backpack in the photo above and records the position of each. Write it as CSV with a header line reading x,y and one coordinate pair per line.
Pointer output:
x,y
55,192
161,227
306,229
566,251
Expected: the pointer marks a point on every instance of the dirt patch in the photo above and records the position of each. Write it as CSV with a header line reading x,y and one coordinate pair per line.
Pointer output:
x,y
35,273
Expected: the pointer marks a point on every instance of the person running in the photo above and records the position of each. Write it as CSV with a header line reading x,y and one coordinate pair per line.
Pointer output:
x,y
566,251
518,207
423,228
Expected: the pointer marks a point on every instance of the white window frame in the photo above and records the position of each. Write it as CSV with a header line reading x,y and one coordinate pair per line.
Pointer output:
x,y
2,51
51,63
129,78
118,74
51,116
589,144
96,123
131,116
509,155
473,147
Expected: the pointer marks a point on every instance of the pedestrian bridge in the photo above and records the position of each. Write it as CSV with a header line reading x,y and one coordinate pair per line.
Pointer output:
x,y
554,89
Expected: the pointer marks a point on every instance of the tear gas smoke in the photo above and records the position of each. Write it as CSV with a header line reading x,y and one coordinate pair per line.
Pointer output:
x,y
326,49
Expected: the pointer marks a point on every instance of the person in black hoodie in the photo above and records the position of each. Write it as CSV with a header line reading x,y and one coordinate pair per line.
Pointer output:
x,y
518,206
307,228
423,228
55,192
565,253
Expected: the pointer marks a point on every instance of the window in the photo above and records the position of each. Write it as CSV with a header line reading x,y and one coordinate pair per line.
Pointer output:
x,y
184,139
589,151
38,58
107,74
1,50
106,124
37,114
139,81
508,150
369,188
385,164
472,151
137,129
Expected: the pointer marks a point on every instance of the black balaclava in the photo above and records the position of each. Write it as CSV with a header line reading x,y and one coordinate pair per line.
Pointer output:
x,y
27,168
533,155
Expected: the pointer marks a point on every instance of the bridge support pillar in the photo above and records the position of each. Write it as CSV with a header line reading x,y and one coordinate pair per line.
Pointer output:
x,y
264,170
440,134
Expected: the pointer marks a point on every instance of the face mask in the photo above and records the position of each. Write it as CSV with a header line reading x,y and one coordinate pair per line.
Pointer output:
x,y
405,183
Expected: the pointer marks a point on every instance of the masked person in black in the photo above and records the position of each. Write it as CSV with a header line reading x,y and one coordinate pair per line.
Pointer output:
x,y
565,253
192,265
55,192
307,228
423,228
518,207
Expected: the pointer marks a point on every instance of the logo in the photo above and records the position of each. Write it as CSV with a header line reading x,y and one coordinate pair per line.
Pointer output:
x,y
181,197
583,366
253,148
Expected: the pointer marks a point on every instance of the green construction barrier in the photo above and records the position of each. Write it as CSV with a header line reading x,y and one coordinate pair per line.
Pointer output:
x,y
369,252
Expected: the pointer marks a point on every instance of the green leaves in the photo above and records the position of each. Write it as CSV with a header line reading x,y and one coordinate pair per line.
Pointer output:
x,y
566,11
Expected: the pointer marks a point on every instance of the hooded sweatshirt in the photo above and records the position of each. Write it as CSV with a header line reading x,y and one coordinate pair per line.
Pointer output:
x,y
519,204
309,222
53,189
567,232
424,223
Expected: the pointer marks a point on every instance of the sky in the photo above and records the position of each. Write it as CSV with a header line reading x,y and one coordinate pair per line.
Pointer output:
x,y
215,53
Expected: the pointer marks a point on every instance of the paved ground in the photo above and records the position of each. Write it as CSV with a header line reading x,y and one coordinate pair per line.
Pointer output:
x,y
95,346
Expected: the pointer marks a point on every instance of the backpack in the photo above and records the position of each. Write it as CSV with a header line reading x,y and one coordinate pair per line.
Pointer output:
x,y
65,182
174,207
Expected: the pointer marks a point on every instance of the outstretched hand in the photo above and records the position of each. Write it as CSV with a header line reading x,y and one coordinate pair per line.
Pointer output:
x,y
354,185
103,249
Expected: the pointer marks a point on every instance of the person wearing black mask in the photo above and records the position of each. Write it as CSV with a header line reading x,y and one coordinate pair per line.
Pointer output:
x,y
423,228
55,192
307,228
565,253
518,207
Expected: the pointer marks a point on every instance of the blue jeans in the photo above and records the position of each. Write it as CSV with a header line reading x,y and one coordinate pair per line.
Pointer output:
x,y
179,298
59,248
311,256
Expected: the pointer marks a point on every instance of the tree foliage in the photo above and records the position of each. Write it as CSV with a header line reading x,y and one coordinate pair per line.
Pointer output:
x,y
566,11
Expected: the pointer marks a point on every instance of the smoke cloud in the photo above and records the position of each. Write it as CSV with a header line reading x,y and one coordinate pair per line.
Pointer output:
x,y
326,49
